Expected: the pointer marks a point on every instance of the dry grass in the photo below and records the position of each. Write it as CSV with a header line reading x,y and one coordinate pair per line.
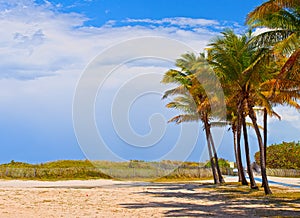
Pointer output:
x,y
236,190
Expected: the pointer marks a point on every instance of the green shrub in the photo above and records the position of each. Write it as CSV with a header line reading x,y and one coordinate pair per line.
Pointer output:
x,y
222,163
282,156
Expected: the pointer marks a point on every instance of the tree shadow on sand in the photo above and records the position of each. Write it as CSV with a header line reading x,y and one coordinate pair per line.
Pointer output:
x,y
194,200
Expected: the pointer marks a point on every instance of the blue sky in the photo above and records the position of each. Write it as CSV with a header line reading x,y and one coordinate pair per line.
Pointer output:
x,y
47,45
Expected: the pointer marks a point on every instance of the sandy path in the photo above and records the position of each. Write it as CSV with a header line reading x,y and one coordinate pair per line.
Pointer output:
x,y
106,198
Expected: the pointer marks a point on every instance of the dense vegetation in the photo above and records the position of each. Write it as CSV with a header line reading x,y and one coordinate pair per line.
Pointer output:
x,y
282,156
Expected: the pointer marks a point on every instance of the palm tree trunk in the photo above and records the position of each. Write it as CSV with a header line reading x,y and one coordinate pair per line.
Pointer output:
x,y
261,149
247,151
234,132
239,163
265,136
265,131
213,167
221,179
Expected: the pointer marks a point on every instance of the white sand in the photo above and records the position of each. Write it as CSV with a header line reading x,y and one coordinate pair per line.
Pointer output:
x,y
107,198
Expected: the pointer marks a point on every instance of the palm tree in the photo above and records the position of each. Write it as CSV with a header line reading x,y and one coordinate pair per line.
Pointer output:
x,y
282,18
241,68
187,79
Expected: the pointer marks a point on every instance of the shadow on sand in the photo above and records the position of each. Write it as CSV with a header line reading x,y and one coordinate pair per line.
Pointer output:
x,y
195,200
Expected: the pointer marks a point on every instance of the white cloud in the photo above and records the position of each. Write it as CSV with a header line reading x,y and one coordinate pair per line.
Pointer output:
x,y
40,41
37,41
288,114
177,21
43,53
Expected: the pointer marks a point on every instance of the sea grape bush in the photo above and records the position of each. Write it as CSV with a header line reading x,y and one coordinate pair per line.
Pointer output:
x,y
282,156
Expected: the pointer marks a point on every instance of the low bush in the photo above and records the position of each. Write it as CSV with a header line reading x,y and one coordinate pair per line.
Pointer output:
x,y
282,156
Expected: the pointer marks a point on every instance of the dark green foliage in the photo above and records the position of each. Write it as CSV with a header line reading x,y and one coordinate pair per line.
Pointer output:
x,y
282,156
222,163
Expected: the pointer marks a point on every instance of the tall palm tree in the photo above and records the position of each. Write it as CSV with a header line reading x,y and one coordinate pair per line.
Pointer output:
x,y
282,18
241,68
218,58
187,78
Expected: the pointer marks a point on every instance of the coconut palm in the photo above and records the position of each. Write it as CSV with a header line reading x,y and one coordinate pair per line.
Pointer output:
x,y
278,89
282,18
242,68
187,78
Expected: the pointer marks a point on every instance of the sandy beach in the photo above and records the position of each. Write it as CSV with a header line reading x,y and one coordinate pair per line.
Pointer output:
x,y
107,198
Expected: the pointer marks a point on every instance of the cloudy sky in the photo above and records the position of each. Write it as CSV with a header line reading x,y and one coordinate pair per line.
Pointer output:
x,y
47,47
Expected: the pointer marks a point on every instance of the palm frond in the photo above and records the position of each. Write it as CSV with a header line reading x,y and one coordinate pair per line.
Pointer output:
x,y
184,118
292,66
270,37
180,90
260,12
